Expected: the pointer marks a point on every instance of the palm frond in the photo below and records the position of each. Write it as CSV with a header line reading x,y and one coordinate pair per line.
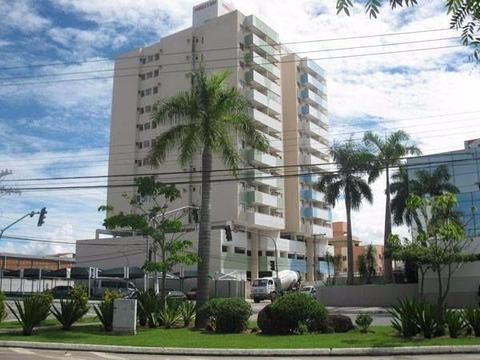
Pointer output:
x,y
166,142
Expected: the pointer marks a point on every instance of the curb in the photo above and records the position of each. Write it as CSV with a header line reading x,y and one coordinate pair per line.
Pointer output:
x,y
385,351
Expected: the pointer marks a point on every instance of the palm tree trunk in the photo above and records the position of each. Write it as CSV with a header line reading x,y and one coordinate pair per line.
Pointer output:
x,y
348,207
387,260
204,235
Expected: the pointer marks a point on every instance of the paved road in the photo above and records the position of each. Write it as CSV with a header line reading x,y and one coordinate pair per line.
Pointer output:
x,y
29,354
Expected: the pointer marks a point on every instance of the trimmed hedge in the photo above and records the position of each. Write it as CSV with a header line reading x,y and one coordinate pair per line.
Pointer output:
x,y
292,313
228,315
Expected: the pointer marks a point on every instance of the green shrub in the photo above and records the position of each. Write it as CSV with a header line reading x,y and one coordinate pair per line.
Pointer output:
x,y
363,321
228,315
455,323
169,316
104,310
428,319
404,317
472,318
148,307
187,311
3,310
73,309
290,310
34,310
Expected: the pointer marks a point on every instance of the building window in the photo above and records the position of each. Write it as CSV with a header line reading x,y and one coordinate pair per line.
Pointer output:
x,y
157,56
139,145
150,58
239,250
269,253
155,73
142,60
148,108
300,257
155,89
141,93
148,92
242,46
149,75
224,249
142,76
146,126
141,110
154,126
344,258
140,127
291,256
259,252
146,143
146,161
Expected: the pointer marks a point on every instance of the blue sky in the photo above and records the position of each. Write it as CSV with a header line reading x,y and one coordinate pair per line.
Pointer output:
x,y
62,128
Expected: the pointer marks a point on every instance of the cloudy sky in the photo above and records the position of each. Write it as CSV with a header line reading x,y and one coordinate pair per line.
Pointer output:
x,y
51,127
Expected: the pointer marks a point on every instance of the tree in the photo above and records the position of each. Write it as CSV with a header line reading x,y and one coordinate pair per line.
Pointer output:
x,y
336,263
163,227
439,240
389,152
353,163
367,263
424,183
464,15
205,121
6,190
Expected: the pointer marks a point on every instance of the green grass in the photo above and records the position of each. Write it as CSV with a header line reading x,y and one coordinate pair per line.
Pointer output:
x,y
382,336
49,322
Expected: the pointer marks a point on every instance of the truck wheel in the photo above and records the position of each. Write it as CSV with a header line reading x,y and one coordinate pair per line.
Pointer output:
x,y
256,301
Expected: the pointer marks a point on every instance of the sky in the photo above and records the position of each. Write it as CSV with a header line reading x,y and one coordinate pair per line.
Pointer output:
x,y
61,128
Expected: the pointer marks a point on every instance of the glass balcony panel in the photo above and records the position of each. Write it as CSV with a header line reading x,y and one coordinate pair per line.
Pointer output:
x,y
313,99
262,178
263,65
313,68
261,220
254,197
310,178
313,212
274,143
312,83
314,146
313,129
264,101
256,79
314,115
262,47
263,159
315,229
259,26
312,195
267,121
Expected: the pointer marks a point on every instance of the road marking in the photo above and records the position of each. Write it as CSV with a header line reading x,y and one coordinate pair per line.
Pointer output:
x,y
107,356
22,351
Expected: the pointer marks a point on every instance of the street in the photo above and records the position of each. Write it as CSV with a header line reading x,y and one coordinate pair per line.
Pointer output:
x,y
31,354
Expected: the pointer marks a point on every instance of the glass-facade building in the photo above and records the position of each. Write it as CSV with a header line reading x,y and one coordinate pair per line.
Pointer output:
x,y
464,169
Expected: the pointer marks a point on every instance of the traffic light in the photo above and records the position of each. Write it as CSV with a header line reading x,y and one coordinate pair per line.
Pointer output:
x,y
272,265
41,218
228,233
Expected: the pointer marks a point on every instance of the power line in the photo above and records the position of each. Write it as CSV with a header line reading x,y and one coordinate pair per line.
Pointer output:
x,y
227,48
227,67
220,59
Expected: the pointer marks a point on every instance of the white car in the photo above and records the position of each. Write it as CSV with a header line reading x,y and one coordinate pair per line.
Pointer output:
x,y
309,290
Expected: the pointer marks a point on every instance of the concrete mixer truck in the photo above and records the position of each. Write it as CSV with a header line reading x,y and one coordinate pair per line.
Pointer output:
x,y
269,288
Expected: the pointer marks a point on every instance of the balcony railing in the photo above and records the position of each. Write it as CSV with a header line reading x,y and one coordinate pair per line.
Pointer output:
x,y
310,178
312,67
313,99
262,220
259,177
314,229
313,114
266,121
256,79
313,212
313,83
258,26
314,146
262,64
264,101
312,195
254,197
262,47
317,163
258,157
274,143
313,129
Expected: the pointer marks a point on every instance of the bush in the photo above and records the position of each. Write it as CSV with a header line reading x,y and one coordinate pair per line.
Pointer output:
x,y
292,314
104,310
455,323
428,319
3,310
364,321
472,318
404,317
228,315
340,323
187,311
169,315
35,309
73,309
148,307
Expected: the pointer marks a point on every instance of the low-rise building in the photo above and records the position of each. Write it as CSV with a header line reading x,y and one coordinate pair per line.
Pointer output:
x,y
14,261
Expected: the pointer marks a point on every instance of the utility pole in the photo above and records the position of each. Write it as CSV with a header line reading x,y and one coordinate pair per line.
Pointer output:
x,y
31,214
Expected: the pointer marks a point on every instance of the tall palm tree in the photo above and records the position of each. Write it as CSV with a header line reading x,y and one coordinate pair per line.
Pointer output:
x,y
389,152
353,163
425,183
205,121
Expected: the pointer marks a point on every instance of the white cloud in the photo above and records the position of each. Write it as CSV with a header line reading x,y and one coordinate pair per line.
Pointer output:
x,y
20,15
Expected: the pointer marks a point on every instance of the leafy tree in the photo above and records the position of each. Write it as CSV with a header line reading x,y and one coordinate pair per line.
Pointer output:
x,y
439,240
367,263
165,229
464,15
389,152
204,121
354,163
336,262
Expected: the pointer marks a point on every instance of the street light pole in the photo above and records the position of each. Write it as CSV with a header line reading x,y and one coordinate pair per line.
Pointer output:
x,y
31,214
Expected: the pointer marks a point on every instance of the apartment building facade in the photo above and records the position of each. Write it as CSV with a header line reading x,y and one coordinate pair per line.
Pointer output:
x,y
256,206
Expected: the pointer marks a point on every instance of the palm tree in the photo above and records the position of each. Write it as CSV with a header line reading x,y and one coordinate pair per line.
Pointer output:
x,y
205,121
425,182
389,152
353,163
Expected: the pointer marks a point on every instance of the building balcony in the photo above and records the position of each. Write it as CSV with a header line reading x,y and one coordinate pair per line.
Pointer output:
x,y
317,213
258,27
266,121
257,157
310,113
312,195
313,99
257,80
313,129
310,178
314,229
262,65
264,221
274,143
312,83
262,47
264,102
313,68
254,197
316,163
314,146
260,178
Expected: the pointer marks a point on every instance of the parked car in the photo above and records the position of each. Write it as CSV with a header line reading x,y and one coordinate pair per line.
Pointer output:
x,y
192,294
309,290
61,291
176,294
125,288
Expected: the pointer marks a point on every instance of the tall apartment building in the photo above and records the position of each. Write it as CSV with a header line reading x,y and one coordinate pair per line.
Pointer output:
x,y
288,104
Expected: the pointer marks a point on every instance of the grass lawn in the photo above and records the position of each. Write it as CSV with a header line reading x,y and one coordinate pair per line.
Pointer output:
x,y
382,336
49,322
